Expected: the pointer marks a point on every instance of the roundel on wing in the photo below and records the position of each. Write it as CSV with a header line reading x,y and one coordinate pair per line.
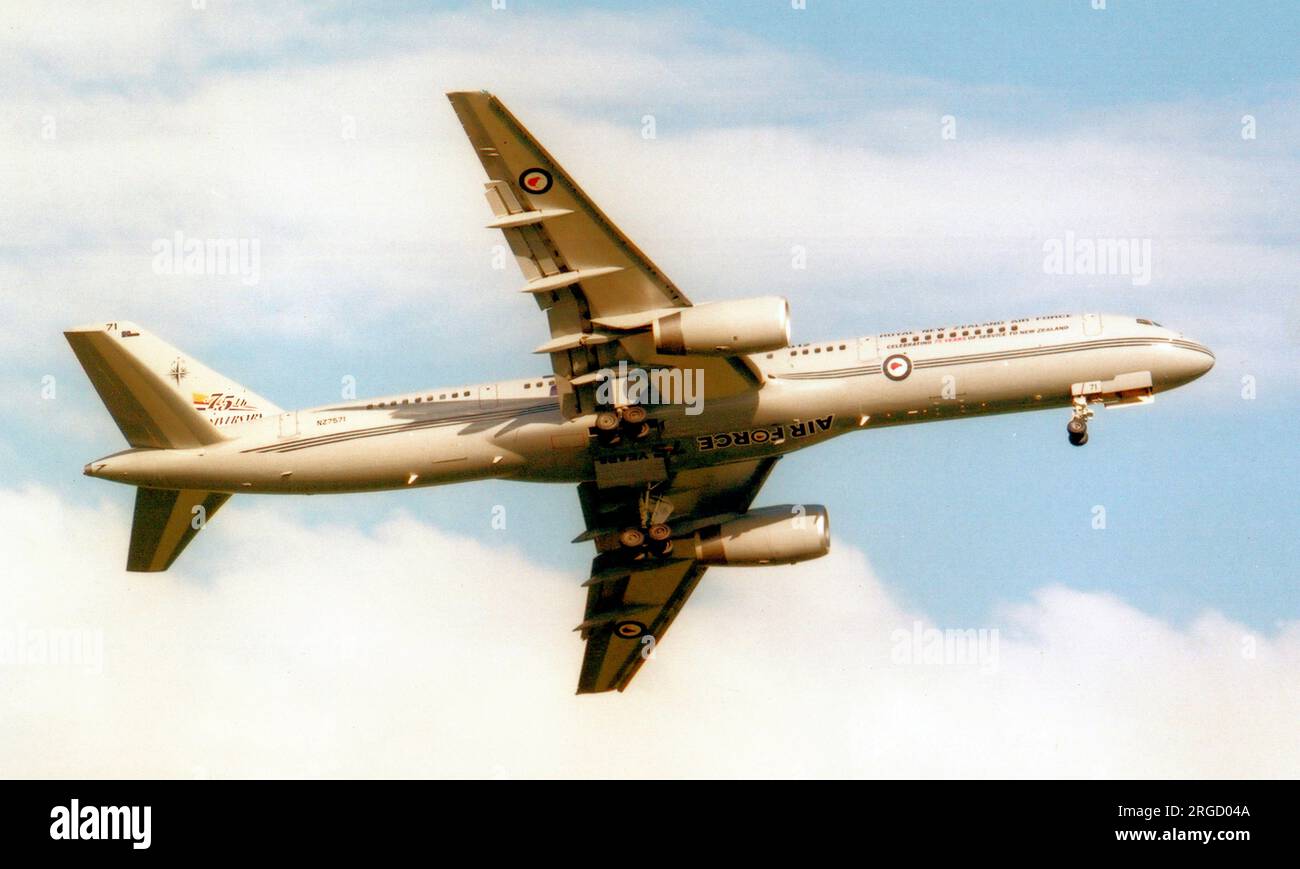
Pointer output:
x,y
535,180
630,630
897,367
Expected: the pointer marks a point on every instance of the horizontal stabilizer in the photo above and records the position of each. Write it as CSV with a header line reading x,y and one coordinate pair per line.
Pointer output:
x,y
166,520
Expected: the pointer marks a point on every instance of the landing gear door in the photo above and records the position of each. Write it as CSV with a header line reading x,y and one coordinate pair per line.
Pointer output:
x,y
1092,324
867,351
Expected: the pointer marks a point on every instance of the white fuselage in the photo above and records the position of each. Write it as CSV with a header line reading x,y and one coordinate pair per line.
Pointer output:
x,y
514,429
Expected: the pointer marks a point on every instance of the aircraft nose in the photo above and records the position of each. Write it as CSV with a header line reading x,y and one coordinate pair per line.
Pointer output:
x,y
1205,361
1191,361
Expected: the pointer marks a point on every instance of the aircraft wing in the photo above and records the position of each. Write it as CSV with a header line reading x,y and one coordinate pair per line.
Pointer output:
x,y
599,291
631,604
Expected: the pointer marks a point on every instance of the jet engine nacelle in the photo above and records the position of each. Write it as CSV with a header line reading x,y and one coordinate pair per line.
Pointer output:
x,y
725,328
771,535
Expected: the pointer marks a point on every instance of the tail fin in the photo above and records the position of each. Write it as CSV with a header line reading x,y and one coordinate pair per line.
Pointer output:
x,y
166,520
158,396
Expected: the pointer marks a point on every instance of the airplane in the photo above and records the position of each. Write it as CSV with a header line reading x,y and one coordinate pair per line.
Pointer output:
x,y
666,483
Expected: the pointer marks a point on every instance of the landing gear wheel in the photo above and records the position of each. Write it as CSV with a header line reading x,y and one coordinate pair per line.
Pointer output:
x,y
631,538
607,420
660,532
1077,429
634,415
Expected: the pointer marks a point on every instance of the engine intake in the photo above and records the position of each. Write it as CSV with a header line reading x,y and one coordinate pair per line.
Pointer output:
x,y
725,328
771,535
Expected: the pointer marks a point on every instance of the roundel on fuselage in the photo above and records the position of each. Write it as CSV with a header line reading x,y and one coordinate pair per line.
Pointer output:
x,y
897,367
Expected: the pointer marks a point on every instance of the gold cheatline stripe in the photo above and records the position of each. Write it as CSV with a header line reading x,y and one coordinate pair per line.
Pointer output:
x,y
339,437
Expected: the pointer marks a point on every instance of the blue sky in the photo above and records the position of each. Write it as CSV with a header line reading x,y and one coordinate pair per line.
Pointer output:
x,y
776,127
1130,52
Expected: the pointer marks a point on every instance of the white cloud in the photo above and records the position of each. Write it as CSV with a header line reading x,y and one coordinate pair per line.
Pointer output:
x,y
281,650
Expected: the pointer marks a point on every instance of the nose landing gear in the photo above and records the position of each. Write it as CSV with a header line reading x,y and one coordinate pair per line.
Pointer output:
x,y
1077,427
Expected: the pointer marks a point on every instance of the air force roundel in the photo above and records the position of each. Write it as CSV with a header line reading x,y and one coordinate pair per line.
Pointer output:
x,y
630,630
535,180
897,367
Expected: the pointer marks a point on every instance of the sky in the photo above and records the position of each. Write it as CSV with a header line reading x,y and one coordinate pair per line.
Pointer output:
x,y
918,155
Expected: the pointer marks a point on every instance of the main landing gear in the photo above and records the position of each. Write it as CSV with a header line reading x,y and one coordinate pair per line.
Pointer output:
x,y
652,538
656,541
613,427
1077,427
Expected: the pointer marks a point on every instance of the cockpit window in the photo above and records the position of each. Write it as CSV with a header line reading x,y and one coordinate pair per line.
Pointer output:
x,y
1149,323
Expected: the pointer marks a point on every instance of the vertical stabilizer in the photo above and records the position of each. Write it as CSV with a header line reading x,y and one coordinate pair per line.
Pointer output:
x,y
159,396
